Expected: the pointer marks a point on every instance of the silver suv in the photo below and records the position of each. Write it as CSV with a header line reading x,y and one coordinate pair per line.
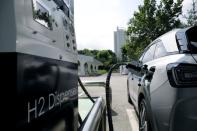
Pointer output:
x,y
162,85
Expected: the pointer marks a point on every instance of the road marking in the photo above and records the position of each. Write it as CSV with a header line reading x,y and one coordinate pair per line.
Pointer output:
x,y
132,119
80,94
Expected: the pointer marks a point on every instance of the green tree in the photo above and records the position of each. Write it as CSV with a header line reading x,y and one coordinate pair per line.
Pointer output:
x,y
131,51
149,22
167,16
107,57
85,52
124,53
192,14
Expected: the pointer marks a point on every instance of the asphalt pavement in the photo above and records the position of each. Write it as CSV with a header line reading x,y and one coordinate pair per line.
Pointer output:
x,y
124,117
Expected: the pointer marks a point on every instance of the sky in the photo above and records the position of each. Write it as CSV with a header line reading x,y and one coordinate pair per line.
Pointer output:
x,y
96,20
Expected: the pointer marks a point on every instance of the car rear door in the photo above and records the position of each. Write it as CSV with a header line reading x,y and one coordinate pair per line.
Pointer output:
x,y
137,76
158,64
131,81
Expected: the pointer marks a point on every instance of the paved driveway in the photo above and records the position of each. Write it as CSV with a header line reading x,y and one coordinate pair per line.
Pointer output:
x,y
124,117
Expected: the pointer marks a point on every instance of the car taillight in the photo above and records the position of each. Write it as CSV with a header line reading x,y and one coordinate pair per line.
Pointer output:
x,y
182,74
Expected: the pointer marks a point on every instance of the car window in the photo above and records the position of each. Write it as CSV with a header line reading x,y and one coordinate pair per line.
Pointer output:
x,y
148,55
141,57
160,50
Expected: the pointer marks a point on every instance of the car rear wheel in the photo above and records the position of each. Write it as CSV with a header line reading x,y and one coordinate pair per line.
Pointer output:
x,y
144,120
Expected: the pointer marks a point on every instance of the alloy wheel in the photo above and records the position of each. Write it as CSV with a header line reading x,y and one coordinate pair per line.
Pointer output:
x,y
143,121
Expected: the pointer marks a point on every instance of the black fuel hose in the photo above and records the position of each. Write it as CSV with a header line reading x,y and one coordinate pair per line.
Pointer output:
x,y
85,91
108,95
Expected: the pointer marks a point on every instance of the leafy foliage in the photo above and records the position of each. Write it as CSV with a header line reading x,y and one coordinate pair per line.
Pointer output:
x,y
107,57
149,22
101,72
192,15
88,52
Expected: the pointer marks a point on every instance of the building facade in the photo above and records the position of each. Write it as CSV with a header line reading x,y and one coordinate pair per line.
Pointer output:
x,y
87,65
119,41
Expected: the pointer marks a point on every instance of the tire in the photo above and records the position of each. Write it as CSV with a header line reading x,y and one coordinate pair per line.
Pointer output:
x,y
144,120
128,97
